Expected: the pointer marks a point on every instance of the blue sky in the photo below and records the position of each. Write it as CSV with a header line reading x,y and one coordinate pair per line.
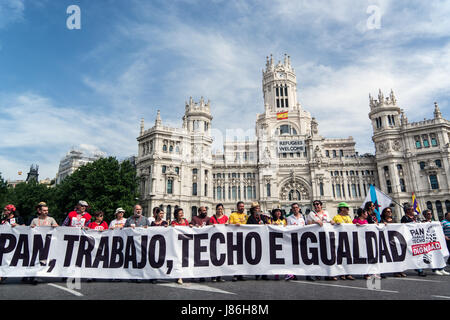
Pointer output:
x,y
89,88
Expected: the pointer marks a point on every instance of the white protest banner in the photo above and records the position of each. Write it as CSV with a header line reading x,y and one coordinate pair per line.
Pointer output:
x,y
183,252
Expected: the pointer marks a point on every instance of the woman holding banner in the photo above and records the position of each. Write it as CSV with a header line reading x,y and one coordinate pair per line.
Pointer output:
x,y
218,218
179,221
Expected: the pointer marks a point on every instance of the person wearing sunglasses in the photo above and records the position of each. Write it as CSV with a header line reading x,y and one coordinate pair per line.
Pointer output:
x,y
318,215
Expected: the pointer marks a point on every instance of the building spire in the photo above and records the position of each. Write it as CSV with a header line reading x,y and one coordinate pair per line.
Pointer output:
x,y
142,126
158,119
437,111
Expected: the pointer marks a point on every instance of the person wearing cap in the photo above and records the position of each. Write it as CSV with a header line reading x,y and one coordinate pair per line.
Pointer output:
x,y
11,216
119,221
255,215
79,217
256,218
342,217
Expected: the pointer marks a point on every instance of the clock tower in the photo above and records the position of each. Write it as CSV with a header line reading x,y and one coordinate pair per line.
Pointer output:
x,y
279,86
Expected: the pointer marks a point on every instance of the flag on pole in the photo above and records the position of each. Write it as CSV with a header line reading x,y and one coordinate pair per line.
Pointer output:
x,y
380,200
282,115
415,204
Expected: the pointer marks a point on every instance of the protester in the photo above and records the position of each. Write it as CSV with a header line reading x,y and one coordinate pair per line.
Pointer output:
x,y
179,221
369,207
219,217
79,217
427,216
255,215
119,221
158,220
277,218
318,215
446,227
43,219
137,219
256,218
201,219
11,216
343,217
237,218
386,216
361,217
295,219
410,217
98,223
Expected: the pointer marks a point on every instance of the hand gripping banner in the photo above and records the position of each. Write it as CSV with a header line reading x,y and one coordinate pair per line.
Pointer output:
x,y
220,250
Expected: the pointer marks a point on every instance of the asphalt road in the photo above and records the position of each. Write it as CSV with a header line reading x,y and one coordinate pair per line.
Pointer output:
x,y
413,287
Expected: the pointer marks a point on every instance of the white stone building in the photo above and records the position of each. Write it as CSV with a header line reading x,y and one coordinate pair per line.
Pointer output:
x,y
289,161
72,161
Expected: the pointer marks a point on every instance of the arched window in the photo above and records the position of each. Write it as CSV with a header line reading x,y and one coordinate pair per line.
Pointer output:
x,y
165,148
169,213
170,186
439,210
194,211
447,205
286,129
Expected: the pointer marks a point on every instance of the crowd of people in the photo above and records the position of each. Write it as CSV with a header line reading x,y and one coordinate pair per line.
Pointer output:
x,y
79,217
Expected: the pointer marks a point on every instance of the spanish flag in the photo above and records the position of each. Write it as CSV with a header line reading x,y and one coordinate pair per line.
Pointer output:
x,y
282,115
415,204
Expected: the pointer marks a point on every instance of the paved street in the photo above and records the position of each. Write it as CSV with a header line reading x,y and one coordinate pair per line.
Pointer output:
x,y
432,287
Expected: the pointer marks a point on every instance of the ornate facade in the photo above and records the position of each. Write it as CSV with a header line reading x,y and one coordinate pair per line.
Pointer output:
x,y
289,161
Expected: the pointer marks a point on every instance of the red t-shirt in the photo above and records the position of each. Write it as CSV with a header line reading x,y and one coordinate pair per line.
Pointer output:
x,y
94,225
78,220
221,220
184,223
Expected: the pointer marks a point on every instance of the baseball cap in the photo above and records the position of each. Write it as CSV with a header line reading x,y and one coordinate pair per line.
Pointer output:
x,y
10,207
83,203
343,205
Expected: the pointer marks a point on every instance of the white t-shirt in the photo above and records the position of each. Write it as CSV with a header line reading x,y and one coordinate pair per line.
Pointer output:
x,y
117,223
292,220
314,217
150,220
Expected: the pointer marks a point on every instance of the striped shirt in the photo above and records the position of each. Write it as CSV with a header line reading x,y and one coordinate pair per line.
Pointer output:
x,y
446,226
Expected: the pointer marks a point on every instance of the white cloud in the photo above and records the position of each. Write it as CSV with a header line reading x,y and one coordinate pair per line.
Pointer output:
x,y
11,11
38,131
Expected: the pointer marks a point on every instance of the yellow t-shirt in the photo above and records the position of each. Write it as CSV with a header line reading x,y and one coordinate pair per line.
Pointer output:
x,y
342,219
237,218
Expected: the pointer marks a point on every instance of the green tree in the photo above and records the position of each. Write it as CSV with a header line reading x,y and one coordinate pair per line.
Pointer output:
x,y
105,184
25,196
3,191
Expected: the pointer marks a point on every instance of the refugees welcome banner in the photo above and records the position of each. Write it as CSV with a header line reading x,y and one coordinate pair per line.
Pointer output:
x,y
183,252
